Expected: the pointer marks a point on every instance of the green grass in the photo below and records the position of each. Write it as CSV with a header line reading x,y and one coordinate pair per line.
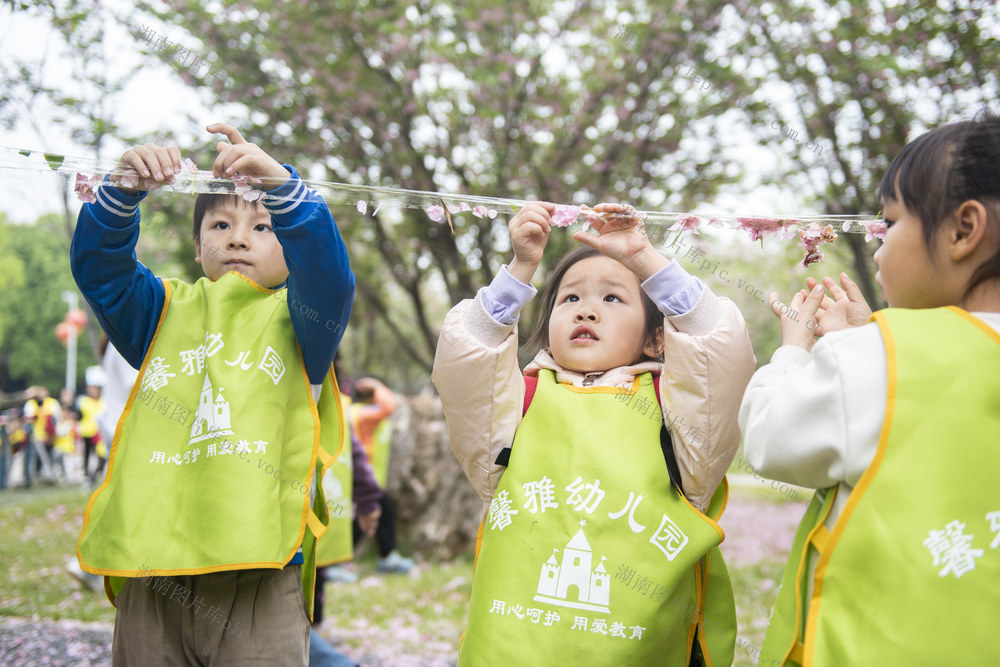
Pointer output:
x,y
756,589
380,616
38,534
419,613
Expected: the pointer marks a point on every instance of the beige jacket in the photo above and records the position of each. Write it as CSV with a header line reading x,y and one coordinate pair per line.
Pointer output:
x,y
708,363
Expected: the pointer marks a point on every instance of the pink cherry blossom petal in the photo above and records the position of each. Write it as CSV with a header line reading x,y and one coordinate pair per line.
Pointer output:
x,y
129,180
812,237
876,229
187,164
565,215
846,227
491,213
84,188
758,227
479,211
464,207
435,212
362,206
244,188
687,223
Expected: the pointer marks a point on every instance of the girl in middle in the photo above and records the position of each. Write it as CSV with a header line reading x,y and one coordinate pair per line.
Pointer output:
x,y
601,467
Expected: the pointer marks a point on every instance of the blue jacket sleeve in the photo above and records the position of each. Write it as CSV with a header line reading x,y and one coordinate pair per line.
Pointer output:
x,y
320,281
125,295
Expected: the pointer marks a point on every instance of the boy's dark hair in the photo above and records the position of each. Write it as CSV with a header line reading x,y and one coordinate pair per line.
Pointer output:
x,y
207,202
539,338
939,170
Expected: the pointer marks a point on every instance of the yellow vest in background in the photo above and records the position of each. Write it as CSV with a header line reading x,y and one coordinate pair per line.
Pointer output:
x,y
337,544
89,409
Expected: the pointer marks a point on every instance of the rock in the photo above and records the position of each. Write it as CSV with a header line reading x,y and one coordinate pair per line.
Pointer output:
x,y
438,511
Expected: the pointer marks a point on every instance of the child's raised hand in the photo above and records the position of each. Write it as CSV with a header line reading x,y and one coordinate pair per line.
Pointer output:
x,y
155,166
798,319
239,155
529,232
622,237
846,309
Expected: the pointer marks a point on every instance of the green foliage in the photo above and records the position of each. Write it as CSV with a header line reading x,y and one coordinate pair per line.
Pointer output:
x,y
11,268
748,274
30,353
856,82
524,99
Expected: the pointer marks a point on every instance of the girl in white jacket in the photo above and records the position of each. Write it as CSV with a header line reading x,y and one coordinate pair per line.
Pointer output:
x,y
602,489
896,423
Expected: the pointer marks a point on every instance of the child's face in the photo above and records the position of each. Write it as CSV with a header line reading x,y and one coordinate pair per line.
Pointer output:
x,y
240,238
906,272
597,320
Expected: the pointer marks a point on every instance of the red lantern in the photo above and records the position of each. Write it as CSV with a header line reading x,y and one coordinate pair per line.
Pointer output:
x,y
63,330
78,319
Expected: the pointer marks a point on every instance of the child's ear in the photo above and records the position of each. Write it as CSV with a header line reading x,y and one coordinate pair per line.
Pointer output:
x,y
197,251
969,229
654,348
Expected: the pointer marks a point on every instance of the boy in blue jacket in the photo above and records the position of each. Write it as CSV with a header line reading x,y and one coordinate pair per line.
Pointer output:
x,y
206,522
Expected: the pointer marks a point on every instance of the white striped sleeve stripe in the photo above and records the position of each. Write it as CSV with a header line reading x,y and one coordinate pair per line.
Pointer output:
x,y
292,200
114,206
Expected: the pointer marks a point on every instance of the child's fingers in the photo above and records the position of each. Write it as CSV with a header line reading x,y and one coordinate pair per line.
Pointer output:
x,y
811,304
231,132
175,156
243,164
779,309
851,288
226,163
535,212
834,288
151,161
131,158
589,239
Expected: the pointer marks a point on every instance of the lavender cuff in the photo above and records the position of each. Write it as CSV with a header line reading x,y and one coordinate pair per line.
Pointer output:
x,y
504,298
673,290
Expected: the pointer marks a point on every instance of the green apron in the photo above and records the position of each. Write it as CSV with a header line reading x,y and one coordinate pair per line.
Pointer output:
x,y
337,545
219,444
589,555
910,572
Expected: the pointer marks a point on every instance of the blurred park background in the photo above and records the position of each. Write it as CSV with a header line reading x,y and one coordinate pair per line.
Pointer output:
x,y
784,108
